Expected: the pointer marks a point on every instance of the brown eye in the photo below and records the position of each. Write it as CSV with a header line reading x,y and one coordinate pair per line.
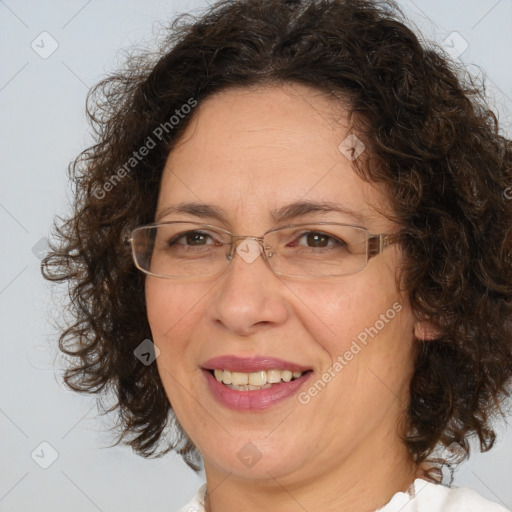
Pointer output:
x,y
195,238
317,240
192,238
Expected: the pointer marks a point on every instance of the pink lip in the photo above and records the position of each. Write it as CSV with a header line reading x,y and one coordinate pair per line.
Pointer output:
x,y
251,364
253,400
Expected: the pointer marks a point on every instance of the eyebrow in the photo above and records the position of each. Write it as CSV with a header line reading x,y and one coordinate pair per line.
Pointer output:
x,y
287,212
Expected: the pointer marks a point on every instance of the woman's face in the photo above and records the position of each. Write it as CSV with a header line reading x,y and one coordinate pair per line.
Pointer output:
x,y
248,153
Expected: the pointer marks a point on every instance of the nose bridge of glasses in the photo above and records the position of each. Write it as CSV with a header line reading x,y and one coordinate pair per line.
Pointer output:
x,y
237,245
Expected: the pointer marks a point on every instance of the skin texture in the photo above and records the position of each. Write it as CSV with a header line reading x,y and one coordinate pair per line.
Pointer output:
x,y
249,151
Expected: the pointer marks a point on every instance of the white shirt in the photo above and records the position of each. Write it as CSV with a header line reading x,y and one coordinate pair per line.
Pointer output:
x,y
422,496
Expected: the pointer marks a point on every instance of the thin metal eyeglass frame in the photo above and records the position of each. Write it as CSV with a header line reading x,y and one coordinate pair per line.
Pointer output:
x,y
376,243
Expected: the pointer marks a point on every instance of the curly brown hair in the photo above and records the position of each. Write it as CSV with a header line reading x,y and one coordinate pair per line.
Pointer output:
x,y
434,145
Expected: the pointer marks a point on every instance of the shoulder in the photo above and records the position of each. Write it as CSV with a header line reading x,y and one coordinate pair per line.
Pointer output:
x,y
463,499
196,504
428,497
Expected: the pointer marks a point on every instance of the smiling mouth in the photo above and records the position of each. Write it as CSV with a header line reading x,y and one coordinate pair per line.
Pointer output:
x,y
253,381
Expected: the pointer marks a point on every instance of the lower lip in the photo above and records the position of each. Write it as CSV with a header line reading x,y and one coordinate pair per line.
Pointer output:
x,y
255,400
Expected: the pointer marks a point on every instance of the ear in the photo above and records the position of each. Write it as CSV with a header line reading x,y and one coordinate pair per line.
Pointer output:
x,y
424,330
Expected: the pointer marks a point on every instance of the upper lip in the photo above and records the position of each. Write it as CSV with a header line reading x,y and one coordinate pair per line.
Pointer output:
x,y
251,364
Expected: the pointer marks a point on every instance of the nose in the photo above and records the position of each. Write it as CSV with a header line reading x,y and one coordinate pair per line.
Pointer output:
x,y
250,296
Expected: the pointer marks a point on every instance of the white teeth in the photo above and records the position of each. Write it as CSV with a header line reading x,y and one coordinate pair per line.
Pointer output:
x,y
239,379
248,388
273,376
286,375
258,378
254,380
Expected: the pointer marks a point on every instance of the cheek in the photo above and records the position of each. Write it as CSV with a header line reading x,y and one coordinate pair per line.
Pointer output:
x,y
337,312
174,311
160,306
171,305
365,331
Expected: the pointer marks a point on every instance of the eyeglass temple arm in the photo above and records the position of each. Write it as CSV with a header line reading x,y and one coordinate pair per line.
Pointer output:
x,y
377,243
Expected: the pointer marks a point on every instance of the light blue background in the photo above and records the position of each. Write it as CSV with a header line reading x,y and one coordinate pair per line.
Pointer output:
x,y
42,129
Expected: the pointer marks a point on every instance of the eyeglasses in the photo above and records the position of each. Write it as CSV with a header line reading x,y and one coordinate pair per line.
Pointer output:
x,y
185,250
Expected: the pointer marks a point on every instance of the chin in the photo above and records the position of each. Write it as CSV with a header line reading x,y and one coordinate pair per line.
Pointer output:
x,y
255,458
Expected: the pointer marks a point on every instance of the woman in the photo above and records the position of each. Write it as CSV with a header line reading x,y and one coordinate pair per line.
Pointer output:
x,y
305,211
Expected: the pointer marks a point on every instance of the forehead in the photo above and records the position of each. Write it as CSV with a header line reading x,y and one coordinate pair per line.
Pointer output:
x,y
251,151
